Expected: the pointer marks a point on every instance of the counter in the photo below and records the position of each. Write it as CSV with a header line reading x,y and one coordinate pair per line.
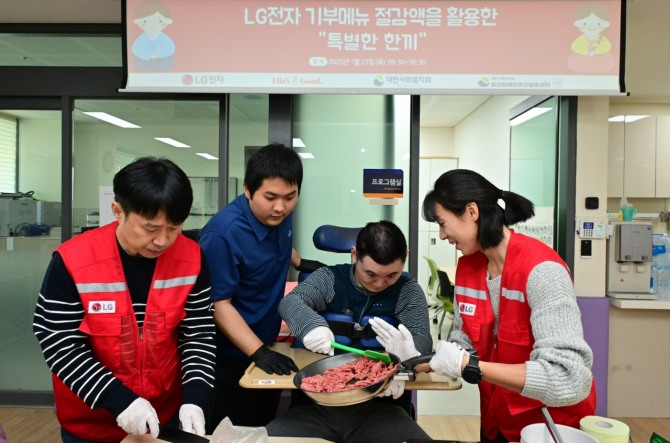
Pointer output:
x,y
660,304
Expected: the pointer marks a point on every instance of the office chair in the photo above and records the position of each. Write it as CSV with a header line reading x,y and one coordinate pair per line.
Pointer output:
x,y
433,280
446,296
333,238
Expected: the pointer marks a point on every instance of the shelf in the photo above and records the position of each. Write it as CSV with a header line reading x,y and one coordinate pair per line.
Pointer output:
x,y
659,305
613,216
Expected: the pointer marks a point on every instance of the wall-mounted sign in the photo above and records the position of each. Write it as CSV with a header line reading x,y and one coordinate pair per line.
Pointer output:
x,y
382,183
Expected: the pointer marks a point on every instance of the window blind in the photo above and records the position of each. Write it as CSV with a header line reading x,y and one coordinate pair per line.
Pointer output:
x,y
8,149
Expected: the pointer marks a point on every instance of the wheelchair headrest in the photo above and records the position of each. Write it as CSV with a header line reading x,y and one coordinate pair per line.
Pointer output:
x,y
335,238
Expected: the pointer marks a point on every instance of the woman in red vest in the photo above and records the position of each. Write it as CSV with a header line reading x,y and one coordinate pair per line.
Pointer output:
x,y
517,312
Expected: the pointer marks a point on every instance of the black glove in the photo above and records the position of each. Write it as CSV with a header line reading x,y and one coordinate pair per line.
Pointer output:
x,y
309,265
273,362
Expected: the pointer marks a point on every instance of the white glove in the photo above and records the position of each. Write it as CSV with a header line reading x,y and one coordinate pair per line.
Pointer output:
x,y
395,341
318,340
395,389
448,359
136,417
192,419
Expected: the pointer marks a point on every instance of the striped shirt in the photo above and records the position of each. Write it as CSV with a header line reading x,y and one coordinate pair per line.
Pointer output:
x,y
59,312
301,306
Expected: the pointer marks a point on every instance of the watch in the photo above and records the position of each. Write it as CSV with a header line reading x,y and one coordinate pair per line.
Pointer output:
x,y
471,373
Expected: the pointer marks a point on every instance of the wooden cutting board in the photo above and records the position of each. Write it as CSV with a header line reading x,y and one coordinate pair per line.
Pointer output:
x,y
256,378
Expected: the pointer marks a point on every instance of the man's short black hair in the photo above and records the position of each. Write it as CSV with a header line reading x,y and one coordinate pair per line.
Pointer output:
x,y
382,241
150,185
273,161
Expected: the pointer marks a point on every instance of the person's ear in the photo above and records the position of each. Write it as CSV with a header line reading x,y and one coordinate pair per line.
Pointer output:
x,y
117,210
472,211
353,254
247,193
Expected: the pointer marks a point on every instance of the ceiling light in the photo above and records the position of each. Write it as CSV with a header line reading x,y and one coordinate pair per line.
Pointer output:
x,y
626,118
634,118
306,154
298,143
111,119
207,156
172,142
530,114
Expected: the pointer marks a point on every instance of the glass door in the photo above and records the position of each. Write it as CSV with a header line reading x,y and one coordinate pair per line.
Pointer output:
x,y
533,166
340,136
109,134
30,229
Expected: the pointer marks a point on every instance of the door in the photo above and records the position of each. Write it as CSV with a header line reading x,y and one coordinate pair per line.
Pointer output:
x,y
30,167
430,245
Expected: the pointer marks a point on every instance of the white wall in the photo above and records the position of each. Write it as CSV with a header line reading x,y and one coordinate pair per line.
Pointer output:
x,y
591,181
437,142
40,144
482,140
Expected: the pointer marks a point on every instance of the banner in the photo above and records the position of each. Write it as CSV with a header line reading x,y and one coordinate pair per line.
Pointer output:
x,y
552,47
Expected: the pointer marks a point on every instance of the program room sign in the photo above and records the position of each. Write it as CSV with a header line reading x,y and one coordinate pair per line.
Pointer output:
x,y
382,183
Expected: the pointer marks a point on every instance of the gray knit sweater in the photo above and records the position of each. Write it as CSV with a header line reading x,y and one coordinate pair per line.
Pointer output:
x,y
558,372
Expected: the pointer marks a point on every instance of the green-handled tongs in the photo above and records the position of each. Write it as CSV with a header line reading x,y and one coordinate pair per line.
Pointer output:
x,y
373,355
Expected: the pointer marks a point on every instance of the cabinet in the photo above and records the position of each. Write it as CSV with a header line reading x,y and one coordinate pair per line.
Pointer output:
x,y
615,160
634,157
663,156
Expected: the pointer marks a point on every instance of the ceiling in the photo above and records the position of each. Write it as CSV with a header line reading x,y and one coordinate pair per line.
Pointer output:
x,y
647,42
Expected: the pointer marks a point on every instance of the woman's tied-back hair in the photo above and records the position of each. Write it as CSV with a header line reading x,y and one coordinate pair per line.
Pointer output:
x,y
382,241
454,189
273,161
150,185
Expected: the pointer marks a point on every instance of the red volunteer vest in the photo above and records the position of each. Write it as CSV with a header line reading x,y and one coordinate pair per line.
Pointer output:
x,y
502,409
147,361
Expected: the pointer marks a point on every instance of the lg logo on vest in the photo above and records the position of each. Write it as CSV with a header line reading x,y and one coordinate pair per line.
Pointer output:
x,y
467,308
102,307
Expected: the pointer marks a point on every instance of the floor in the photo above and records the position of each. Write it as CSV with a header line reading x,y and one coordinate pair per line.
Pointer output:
x,y
23,425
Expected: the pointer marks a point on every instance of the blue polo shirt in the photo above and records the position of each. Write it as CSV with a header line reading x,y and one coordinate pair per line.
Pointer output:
x,y
249,263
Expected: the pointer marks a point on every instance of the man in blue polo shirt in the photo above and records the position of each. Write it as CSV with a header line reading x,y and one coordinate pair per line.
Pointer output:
x,y
249,247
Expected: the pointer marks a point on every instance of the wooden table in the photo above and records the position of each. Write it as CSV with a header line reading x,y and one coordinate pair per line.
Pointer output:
x,y
257,378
